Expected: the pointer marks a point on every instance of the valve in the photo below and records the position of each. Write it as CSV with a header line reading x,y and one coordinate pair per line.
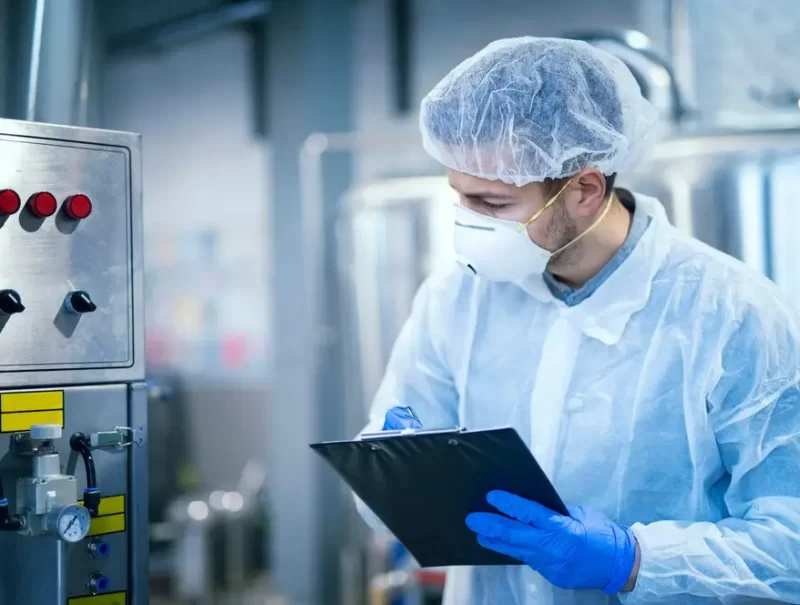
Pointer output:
x,y
47,501
98,583
99,549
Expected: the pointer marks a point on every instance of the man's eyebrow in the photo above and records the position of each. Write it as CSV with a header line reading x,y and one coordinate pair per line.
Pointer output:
x,y
494,195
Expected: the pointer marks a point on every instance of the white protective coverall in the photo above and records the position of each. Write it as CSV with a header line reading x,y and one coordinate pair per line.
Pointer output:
x,y
667,400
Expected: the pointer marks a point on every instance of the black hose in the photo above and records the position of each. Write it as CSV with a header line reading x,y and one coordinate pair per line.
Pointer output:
x,y
91,495
80,444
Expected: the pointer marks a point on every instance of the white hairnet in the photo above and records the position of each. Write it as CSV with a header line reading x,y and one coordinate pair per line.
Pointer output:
x,y
530,109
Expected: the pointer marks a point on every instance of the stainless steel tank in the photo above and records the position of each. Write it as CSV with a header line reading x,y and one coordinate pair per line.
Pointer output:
x,y
735,191
392,235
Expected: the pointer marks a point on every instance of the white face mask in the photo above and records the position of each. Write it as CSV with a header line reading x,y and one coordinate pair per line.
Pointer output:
x,y
496,249
502,250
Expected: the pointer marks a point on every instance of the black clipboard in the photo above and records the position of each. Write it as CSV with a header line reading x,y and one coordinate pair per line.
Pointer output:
x,y
423,484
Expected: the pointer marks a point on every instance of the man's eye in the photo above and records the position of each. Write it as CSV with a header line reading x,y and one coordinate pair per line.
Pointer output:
x,y
492,206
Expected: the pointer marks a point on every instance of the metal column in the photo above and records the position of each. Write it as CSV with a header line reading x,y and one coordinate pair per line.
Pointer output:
x,y
309,56
52,59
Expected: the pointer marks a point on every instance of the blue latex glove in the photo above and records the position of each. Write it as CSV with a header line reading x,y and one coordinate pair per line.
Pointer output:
x,y
584,551
400,417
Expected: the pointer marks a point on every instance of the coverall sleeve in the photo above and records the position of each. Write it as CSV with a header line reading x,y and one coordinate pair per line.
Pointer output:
x,y
754,411
417,374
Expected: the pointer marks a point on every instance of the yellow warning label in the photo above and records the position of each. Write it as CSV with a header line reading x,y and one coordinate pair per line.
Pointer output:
x,y
18,411
112,598
110,518
111,505
110,524
19,422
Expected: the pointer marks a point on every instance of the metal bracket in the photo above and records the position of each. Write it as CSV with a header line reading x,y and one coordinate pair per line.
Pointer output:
x,y
120,438
23,445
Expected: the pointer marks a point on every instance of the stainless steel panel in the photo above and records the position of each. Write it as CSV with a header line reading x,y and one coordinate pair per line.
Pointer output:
x,y
138,517
30,575
43,262
45,259
91,409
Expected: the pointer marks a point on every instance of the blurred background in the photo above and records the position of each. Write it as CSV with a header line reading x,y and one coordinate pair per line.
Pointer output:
x,y
290,214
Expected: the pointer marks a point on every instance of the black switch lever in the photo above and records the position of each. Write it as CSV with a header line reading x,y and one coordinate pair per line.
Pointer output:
x,y
79,302
10,302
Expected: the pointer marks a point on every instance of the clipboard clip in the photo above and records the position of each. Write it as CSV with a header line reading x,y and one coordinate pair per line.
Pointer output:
x,y
410,433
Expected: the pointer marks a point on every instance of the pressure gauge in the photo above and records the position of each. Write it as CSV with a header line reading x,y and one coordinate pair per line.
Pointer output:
x,y
72,523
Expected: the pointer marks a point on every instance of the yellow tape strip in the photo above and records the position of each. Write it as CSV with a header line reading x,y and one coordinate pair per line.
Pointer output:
x,y
112,598
32,402
110,524
19,422
110,505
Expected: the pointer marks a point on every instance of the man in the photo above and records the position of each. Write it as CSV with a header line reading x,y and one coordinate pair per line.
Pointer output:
x,y
654,378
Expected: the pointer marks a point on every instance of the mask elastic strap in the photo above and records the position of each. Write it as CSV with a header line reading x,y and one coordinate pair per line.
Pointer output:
x,y
539,212
592,226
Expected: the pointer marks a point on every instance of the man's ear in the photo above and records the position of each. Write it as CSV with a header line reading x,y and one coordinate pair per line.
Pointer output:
x,y
591,184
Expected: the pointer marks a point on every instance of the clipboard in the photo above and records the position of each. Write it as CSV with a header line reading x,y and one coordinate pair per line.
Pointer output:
x,y
423,484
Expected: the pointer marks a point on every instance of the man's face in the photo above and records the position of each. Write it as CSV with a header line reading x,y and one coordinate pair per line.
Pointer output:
x,y
552,230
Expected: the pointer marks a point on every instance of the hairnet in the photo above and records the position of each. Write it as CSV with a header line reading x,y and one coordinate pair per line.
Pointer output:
x,y
529,109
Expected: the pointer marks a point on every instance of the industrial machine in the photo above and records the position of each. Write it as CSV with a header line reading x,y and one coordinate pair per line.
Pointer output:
x,y
73,402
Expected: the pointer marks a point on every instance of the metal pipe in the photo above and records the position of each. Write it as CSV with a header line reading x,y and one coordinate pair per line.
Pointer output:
x,y
312,206
401,65
725,142
36,55
681,49
658,68
189,27
83,86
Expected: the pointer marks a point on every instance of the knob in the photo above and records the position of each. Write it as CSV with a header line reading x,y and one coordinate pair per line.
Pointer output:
x,y
9,202
78,207
43,204
10,302
98,583
45,432
79,302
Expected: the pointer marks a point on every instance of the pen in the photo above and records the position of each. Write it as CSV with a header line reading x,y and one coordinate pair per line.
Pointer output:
x,y
412,414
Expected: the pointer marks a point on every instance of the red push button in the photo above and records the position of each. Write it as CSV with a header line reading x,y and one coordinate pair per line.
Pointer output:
x,y
9,202
78,207
43,204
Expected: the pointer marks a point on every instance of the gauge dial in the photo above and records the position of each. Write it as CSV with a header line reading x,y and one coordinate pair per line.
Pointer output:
x,y
72,524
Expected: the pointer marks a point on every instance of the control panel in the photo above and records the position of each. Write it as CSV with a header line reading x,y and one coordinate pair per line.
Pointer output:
x,y
73,401
65,255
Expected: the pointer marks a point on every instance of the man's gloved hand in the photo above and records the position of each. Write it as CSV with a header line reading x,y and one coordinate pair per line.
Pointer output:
x,y
584,551
400,417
